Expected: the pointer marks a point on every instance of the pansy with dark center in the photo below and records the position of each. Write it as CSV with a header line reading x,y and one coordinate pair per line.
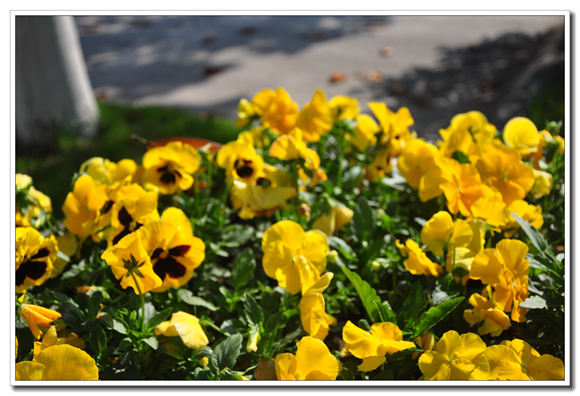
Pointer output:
x,y
34,258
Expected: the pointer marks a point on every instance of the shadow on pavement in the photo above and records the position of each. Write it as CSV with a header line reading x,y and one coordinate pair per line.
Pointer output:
x,y
142,49
498,77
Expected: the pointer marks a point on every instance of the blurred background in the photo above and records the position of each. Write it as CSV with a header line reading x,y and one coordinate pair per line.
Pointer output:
x,y
164,76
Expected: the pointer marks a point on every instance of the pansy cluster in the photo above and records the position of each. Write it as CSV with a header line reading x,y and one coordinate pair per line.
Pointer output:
x,y
152,273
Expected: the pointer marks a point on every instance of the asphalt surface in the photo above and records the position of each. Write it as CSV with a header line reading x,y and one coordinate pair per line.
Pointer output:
x,y
436,65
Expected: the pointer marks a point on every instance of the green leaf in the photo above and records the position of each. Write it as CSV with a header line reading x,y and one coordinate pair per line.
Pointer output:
x,y
98,338
114,324
252,310
434,315
226,353
187,297
367,294
151,341
159,317
94,305
343,247
535,236
363,324
461,157
243,268
385,311
534,302
72,316
363,219
237,234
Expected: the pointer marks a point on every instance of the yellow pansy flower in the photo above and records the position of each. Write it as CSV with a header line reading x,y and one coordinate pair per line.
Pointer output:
x,y
104,171
285,244
83,204
521,134
492,210
59,363
171,167
51,338
263,197
506,269
37,202
364,133
314,319
461,184
464,253
344,108
276,109
530,213
131,264
441,230
426,341
67,245
240,160
395,126
334,220
133,208
315,118
380,166
246,112
418,263
372,347
292,147
518,361
460,140
37,316
456,357
415,160
172,250
185,326
313,361
494,319
473,122
502,168
35,256
543,182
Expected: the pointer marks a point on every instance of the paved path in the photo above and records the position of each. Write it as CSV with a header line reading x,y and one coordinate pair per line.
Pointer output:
x,y
207,64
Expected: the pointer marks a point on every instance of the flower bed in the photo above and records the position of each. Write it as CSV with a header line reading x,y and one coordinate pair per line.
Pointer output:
x,y
322,244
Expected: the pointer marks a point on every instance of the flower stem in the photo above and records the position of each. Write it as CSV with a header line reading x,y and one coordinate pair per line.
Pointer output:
x,y
142,302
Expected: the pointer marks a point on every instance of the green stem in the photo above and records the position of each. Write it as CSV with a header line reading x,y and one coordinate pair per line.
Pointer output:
x,y
210,324
340,160
142,302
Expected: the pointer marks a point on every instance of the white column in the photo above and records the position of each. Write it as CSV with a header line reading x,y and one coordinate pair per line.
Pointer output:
x,y
53,89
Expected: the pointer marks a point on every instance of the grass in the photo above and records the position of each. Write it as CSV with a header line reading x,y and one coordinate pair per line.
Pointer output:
x,y
53,169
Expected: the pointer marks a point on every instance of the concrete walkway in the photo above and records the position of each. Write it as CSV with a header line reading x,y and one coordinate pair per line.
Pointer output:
x,y
206,64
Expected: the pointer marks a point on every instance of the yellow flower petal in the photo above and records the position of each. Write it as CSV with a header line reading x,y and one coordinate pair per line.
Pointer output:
x,y
285,366
359,342
30,371
314,361
66,363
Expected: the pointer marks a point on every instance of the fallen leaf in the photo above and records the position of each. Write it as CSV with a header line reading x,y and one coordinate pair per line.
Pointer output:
x,y
247,30
208,39
387,50
212,70
337,76
375,76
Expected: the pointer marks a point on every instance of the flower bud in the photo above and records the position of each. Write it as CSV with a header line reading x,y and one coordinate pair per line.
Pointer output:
x,y
252,345
305,211
376,265
332,256
203,361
